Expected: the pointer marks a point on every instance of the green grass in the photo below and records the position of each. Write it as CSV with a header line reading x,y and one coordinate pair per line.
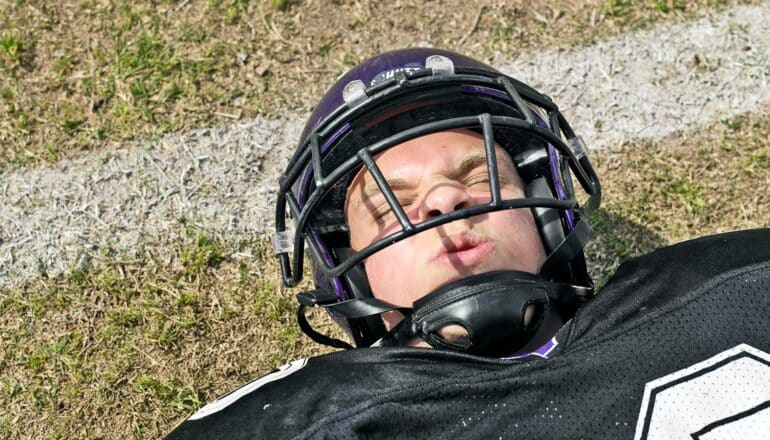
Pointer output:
x,y
133,69
619,8
279,4
204,253
77,76
126,336
690,195
154,341
128,347
10,49
670,5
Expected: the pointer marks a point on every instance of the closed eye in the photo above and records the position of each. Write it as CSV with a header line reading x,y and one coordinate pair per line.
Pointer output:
x,y
476,181
384,210
481,181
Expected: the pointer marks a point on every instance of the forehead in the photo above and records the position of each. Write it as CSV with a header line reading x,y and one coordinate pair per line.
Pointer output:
x,y
426,153
450,145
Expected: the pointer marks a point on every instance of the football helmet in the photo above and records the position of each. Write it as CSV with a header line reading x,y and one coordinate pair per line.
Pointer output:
x,y
400,95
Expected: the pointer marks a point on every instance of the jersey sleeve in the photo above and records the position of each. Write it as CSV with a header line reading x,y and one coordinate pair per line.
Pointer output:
x,y
233,414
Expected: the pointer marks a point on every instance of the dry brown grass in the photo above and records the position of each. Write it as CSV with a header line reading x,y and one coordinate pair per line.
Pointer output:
x,y
129,349
686,186
81,75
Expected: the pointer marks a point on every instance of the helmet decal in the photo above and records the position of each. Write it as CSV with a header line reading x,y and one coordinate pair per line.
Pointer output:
x,y
390,74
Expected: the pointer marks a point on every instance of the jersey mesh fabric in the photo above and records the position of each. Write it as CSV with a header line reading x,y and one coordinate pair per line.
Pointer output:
x,y
659,314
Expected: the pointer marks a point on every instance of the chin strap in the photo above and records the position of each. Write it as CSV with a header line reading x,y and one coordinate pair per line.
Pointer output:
x,y
491,310
489,313
317,336
350,309
567,250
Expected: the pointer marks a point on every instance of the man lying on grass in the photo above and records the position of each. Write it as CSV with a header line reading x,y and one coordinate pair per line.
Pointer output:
x,y
436,197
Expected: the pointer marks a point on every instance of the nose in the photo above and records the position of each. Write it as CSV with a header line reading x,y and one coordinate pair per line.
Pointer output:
x,y
444,198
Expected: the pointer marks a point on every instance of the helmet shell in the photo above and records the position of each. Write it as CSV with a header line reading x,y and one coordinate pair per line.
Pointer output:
x,y
338,125
379,68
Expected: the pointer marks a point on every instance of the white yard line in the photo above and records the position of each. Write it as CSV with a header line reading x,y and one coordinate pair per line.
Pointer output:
x,y
652,83
646,84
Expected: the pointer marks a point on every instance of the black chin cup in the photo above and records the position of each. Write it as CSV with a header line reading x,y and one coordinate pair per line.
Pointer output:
x,y
482,315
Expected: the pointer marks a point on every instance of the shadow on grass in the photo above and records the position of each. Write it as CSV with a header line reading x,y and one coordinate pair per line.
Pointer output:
x,y
617,239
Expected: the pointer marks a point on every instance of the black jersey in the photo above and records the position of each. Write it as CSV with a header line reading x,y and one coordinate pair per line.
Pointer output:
x,y
675,346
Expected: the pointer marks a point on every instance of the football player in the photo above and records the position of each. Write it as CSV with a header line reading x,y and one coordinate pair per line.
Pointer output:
x,y
435,195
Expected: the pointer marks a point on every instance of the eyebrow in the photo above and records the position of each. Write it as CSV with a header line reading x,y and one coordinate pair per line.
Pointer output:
x,y
371,188
468,164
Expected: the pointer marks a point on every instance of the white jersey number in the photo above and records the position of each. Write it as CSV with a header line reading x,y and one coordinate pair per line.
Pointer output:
x,y
724,397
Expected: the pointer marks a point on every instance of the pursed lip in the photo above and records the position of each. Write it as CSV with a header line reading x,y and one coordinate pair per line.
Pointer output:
x,y
463,250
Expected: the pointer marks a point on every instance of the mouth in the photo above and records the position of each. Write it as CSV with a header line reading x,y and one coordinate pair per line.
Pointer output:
x,y
464,250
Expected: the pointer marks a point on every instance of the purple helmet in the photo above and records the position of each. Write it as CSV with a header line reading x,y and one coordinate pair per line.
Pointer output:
x,y
400,95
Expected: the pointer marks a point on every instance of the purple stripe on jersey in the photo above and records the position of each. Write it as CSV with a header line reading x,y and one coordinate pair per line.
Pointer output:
x,y
542,352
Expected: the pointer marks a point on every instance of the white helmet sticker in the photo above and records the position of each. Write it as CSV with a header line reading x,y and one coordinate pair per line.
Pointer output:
x,y
389,74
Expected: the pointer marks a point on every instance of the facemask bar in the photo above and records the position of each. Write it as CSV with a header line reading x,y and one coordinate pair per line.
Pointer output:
x,y
577,161
405,82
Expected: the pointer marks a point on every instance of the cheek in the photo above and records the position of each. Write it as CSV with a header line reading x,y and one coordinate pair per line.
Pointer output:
x,y
516,233
358,231
389,272
379,272
364,231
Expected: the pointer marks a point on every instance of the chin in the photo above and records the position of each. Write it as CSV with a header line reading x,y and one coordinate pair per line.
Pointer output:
x,y
457,275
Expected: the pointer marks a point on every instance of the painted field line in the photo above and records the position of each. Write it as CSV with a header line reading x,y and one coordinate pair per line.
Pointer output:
x,y
136,200
652,83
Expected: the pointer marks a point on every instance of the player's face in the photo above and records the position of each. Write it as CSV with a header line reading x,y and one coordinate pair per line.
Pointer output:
x,y
433,175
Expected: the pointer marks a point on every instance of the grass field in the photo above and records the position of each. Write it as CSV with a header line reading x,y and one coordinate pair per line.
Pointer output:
x,y
129,347
77,76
